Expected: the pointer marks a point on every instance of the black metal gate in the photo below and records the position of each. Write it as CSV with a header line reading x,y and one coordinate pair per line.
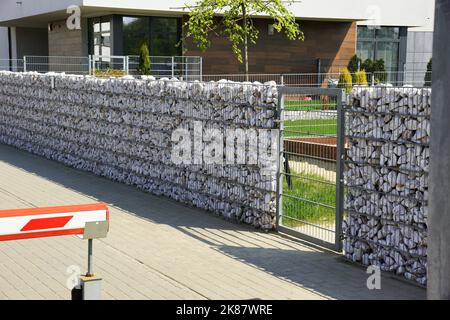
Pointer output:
x,y
310,193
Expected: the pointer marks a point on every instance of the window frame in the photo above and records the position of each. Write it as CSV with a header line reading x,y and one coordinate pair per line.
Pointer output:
x,y
376,40
92,34
150,33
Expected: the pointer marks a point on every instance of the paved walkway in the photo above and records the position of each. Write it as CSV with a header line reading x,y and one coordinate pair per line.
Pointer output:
x,y
159,249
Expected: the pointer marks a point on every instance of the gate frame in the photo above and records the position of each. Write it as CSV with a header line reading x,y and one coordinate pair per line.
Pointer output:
x,y
340,156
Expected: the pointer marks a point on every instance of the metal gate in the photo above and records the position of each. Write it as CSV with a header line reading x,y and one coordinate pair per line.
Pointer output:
x,y
311,146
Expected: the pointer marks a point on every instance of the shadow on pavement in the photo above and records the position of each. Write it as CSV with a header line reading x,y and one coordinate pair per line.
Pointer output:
x,y
324,273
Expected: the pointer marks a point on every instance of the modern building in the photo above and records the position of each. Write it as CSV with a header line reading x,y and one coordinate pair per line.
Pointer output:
x,y
399,32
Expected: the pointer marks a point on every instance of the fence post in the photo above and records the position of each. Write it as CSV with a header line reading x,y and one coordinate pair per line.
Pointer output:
x,y
24,63
201,68
186,68
280,159
340,157
372,79
173,67
89,64
282,79
93,65
126,64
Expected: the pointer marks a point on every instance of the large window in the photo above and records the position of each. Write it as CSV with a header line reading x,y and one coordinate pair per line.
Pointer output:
x,y
161,35
164,36
135,32
100,34
382,43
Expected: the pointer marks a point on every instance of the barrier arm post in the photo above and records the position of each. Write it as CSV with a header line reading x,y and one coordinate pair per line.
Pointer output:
x,y
89,222
90,257
91,284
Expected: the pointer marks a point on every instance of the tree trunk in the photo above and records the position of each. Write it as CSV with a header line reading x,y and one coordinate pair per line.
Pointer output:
x,y
244,15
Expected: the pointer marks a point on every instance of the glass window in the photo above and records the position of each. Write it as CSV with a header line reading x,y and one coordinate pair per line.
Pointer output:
x,y
366,33
366,50
164,36
97,26
161,35
388,33
101,36
388,51
106,26
135,33
382,43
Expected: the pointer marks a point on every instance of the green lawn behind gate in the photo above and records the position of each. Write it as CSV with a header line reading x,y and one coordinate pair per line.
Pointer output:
x,y
312,189
310,128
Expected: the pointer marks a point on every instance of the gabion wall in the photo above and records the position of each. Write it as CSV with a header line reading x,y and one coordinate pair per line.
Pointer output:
x,y
122,129
387,179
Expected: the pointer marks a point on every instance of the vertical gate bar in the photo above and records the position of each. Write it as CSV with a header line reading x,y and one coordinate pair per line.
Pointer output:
x,y
279,177
340,170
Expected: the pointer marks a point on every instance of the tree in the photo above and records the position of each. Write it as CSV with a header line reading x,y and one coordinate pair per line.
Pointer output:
x,y
233,19
144,59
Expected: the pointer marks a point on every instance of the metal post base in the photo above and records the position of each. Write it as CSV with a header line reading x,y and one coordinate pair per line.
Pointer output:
x,y
91,288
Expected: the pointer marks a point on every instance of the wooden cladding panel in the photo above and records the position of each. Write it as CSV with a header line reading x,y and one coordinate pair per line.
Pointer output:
x,y
332,42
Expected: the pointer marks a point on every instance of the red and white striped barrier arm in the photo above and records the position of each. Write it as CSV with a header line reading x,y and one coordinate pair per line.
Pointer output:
x,y
49,222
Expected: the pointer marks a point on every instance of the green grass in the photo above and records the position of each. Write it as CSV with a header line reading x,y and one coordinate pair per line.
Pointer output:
x,y
311,188
305,128
312,105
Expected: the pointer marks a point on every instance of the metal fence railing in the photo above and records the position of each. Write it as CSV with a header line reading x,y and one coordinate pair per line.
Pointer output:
x,y
72,64
183,67
417,78
186,68
15,65
190,68
105,63
328,80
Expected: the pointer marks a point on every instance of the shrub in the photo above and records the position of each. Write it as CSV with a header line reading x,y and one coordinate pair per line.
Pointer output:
x,y
428,74
144,59
361,78
354,64
376,68
345,80
108,73
367,65
380,71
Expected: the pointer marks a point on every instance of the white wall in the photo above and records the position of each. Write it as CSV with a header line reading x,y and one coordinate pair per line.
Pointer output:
x,y
382,12
9,9
415,13
4,45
